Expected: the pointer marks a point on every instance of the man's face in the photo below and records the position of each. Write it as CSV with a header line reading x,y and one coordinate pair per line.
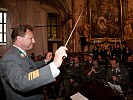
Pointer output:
x,y
89,58
71,58
49,54
85,58
113,64
76,60
99,57
95,63
27,41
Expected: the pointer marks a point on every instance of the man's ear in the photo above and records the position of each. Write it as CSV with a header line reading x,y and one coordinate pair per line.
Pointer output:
x,y
19,38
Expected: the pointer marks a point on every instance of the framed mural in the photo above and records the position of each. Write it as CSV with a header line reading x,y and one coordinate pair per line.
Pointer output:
x,y
106,18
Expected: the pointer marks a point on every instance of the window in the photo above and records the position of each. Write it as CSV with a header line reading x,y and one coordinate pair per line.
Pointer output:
x,y
52,25
2,26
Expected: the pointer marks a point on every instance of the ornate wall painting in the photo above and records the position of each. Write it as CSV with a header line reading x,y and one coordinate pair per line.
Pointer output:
x,y
106,18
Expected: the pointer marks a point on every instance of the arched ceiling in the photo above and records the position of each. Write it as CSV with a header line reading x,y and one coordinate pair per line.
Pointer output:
x,y
63,6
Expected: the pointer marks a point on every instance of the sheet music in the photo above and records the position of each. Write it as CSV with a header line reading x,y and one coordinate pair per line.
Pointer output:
x,y
78,96
116,87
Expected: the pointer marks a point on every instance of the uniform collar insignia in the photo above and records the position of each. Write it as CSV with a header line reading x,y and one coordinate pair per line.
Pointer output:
x,y
22,54
117,70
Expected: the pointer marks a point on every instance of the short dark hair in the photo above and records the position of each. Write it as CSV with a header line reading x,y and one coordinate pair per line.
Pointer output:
x,y
20,30
116,60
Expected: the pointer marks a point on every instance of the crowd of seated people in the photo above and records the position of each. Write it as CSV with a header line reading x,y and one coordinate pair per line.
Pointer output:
x,y
103,65
88,69
99,67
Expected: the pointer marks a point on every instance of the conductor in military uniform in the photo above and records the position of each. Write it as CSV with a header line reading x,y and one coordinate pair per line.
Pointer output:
x,y
22,77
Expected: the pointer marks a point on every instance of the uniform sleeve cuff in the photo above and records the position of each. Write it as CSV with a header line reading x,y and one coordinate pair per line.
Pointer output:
x,y
54,70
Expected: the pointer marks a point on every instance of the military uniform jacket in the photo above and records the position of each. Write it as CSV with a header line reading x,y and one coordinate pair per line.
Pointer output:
x,y
22,77
121,74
